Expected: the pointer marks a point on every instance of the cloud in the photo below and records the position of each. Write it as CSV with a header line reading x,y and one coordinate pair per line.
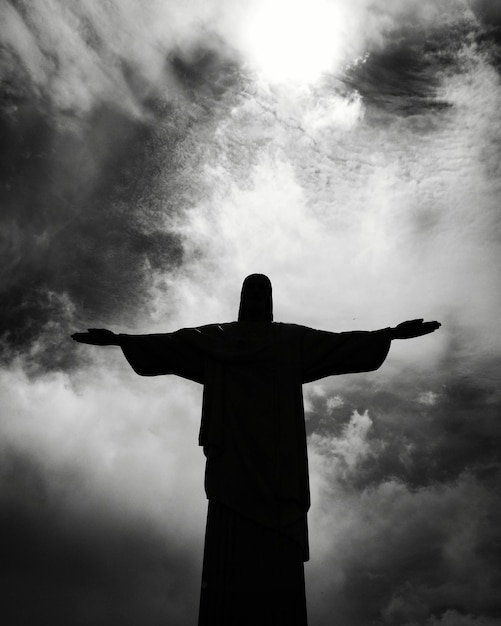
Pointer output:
x,y
487,10
90,422
69,240
393,554
78,561
101,490
408,440
82,55
91,212
453,618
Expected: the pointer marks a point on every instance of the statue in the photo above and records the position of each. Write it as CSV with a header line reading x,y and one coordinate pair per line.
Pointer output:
x,y
253,436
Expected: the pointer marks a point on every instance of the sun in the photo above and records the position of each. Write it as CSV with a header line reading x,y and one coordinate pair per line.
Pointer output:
x,y
294,40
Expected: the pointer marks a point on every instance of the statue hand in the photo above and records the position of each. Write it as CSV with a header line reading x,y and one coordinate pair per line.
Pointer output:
x,y
414,328
97,337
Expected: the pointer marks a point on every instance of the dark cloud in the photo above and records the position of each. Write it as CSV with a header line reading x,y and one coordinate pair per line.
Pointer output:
x,y
421,436
70,560
87,202
416,471
206,72
489,11
403,76
75,225
408,557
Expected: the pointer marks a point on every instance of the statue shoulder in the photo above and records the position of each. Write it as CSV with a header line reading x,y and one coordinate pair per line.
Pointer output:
x,y
211,330
291,329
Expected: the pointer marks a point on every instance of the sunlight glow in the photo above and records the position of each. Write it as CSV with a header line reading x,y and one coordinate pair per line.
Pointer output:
x,y
295,40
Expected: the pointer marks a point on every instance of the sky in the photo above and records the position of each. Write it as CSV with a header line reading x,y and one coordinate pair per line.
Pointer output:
x,y
152,155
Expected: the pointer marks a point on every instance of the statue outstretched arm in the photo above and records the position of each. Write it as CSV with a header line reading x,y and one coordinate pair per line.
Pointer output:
x,y
97,337
413,328
327,354
151,355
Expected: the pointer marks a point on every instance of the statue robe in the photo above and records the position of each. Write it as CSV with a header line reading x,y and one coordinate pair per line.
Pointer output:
x,y
252,429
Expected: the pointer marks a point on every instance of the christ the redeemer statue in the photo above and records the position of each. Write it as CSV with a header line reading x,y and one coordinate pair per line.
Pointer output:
x,y
253,436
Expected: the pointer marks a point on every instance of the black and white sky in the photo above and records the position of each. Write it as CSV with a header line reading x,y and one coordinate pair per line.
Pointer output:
x,y
152,154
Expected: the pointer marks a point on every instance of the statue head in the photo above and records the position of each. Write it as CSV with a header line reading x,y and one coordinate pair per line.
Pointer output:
x,y
256,303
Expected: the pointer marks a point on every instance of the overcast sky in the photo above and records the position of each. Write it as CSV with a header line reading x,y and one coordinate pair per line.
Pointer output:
x,y
152,155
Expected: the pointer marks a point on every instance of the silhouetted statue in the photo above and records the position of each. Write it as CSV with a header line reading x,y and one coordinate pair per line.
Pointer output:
x,y
253,436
